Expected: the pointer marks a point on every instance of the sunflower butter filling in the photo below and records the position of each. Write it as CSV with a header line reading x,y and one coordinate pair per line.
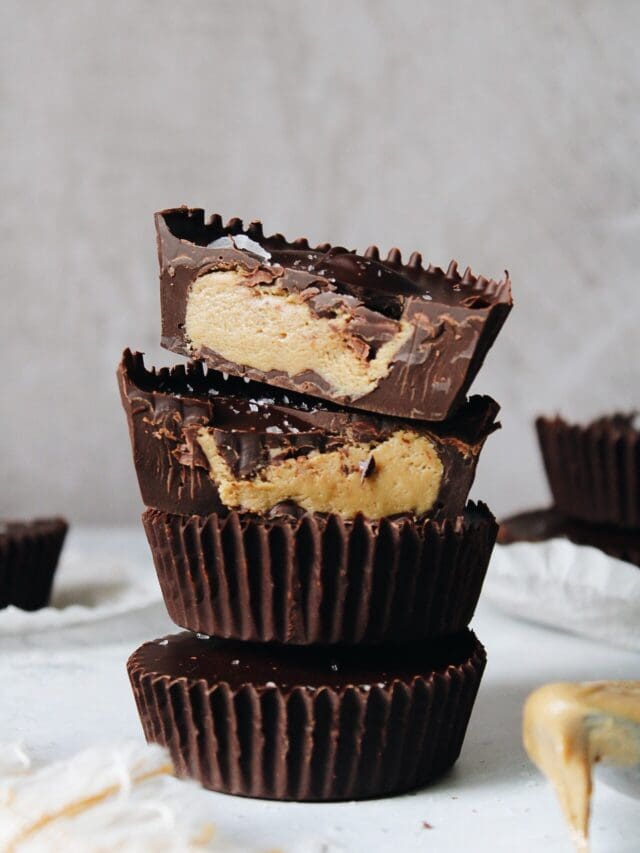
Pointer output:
x,y
265,327
401,474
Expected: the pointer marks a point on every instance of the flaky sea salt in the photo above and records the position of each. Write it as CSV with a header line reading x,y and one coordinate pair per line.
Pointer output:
x,y
243,242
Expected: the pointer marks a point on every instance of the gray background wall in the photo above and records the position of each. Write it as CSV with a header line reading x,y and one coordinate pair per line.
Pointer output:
x,y
503,134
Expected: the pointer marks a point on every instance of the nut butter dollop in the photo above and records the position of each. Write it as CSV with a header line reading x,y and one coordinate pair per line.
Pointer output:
x,y
568,727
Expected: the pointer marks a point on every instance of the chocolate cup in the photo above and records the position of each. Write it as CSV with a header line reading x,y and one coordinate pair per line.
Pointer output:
x,y
307,724
542,524
455,316
319,579
29,552
165,408
593,470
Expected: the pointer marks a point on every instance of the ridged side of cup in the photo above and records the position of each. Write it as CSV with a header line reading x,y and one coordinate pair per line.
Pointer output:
x,y
310,744
319,579
29,553
593,470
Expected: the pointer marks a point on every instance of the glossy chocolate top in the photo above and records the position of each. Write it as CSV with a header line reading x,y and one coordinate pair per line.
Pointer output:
x,y
187,655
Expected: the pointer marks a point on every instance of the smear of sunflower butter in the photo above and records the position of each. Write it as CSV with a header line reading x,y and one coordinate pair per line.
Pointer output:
x,y
569,727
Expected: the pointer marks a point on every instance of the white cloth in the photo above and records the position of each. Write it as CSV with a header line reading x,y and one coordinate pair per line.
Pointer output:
x,y
103,799
571,587
88,587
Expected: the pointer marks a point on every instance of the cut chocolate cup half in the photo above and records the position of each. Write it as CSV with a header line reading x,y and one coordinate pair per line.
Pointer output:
x,y
203,444
375,334
594,470
29,552
543,524
307,724
319,579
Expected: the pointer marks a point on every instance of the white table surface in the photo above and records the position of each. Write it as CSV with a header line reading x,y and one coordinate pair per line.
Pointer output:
x,y
66,690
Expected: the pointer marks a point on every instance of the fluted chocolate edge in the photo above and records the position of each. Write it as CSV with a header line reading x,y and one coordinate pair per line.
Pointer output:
x,y
320,579
310,744
593,470
29,553
189,223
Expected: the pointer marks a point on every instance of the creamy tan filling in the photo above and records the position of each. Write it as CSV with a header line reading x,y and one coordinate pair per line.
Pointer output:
x,y
263,327
406,478
569,727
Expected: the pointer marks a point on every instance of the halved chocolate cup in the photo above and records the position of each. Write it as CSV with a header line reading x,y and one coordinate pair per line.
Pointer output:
x,y
593,470
307,724
202,443
319,579
29,552
419,333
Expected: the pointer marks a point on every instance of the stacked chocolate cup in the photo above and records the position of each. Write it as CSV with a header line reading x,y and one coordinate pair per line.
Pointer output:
x,y
305,478
593,472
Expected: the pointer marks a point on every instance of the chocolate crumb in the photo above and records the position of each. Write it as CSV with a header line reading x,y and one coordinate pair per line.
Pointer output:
x,y
367,467
426,825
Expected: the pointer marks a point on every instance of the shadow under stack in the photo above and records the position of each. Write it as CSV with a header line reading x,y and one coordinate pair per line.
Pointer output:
x,y
306,479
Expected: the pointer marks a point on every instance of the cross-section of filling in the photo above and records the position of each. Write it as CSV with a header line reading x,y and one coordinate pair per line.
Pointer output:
x,y
267,328
401,474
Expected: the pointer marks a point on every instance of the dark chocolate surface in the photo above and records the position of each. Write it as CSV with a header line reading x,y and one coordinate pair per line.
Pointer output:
x,y
320,580
543,524
255,424
310,725
187,655
455,316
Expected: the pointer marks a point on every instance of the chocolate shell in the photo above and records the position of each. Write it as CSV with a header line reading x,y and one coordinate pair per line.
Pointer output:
x,y
320,579
307,724
593,470
29,552
166,408
540,525
453,317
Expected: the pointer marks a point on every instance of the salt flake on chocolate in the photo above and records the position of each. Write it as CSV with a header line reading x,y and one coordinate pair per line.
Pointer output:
x,y
240,241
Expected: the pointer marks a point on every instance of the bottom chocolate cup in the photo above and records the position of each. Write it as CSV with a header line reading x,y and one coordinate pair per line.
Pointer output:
x,y
319,579
309,724
542,524
29,552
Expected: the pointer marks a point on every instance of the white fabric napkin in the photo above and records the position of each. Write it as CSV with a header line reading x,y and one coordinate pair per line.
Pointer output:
x,y
88,587
103,799
572,587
